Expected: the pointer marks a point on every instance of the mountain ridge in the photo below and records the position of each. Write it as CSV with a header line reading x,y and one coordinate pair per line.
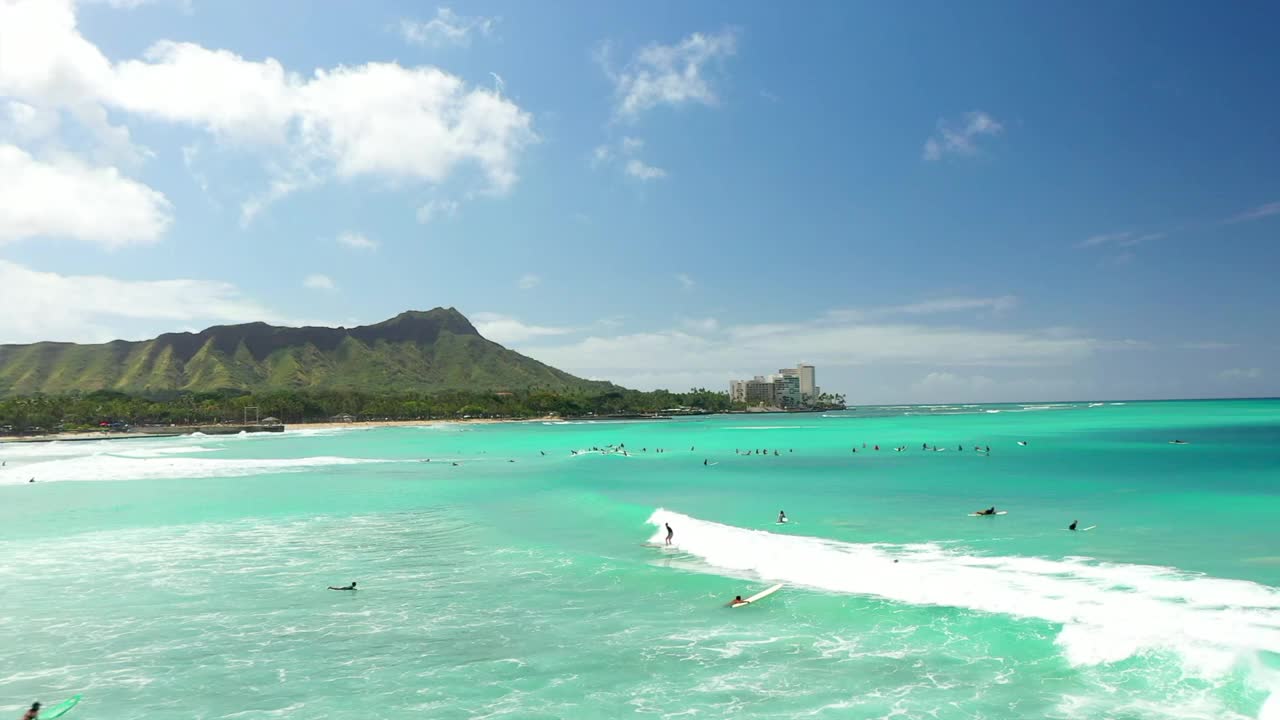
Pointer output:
x,y
415,351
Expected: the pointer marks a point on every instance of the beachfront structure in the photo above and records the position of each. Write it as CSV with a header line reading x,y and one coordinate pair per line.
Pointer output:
x,y
788,388
757,391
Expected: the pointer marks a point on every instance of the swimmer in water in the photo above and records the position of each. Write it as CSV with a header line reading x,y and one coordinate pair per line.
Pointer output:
x,y
352,586
737,600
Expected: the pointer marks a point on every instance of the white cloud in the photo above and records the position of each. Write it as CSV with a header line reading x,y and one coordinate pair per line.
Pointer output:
x,y
66,198
685,281
637,169
434,209
713,356
703,325
951,387
1206,345
998,304
960,139
1240,374
507,329
631,145
528,281
1262,211
26,123
1119,239
670,74
96,308
318,282
601,155
377,119
357,241
446,28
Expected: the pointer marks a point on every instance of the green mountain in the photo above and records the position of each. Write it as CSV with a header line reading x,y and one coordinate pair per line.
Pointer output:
x,y
412,352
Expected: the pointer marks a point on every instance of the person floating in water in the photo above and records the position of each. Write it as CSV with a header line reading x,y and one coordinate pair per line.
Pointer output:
x,y
782,516
33,712
352,586
1073,524
737,600
670,533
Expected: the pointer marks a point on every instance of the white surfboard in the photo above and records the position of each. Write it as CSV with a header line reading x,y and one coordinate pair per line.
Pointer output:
x,y
998,512
1088,528
759,596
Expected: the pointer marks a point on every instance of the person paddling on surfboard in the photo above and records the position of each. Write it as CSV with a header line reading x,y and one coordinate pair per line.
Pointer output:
x,y
32,713
670,533
989,511
352,586
782,516
1072,526
737,600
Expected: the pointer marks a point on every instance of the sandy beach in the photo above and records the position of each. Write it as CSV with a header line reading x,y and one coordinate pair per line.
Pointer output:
x,y
186,429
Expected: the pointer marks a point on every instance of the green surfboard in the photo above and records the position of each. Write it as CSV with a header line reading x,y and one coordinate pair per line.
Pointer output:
x,y
58,710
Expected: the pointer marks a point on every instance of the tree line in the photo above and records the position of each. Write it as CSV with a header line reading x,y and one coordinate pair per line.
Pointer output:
x,y
79,411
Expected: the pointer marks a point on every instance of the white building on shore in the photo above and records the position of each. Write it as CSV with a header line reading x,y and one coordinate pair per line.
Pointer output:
x,y
787,388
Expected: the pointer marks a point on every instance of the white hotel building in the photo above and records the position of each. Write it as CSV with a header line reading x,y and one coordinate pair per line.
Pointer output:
x,y
787,388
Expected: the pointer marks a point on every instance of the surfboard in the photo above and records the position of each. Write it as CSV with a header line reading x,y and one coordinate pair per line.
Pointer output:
x,y
759,596
998,512
58,710
1088,528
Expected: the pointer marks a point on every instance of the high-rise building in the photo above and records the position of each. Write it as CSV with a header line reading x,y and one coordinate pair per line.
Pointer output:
x,y
788,388
808,384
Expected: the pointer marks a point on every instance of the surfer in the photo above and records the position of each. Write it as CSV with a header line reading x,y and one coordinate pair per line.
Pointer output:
x,y
704,461
1072,526
782,516
352,586
34,712
989,511
737,600
670,533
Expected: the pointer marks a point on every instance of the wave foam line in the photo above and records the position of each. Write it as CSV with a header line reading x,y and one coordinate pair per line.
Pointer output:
x,y
117,467
1108,612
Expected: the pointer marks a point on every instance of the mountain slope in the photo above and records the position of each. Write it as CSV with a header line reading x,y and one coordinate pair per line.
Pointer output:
x,y
415,351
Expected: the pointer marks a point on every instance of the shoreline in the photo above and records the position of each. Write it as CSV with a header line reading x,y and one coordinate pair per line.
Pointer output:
x,y
181,430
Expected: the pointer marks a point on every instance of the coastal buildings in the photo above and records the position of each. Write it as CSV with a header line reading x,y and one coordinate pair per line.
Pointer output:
x,y
788,388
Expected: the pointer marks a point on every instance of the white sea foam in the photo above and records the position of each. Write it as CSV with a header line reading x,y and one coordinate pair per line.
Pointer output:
x,y
1108,612
118,467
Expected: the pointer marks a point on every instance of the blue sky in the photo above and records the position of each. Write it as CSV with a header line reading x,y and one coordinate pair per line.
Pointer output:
x,y
931,202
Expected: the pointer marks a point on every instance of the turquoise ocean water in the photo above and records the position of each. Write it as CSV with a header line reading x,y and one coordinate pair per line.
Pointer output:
x,y
185,578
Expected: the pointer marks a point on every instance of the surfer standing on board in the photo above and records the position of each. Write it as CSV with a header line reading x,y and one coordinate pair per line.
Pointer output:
x,y
670,533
